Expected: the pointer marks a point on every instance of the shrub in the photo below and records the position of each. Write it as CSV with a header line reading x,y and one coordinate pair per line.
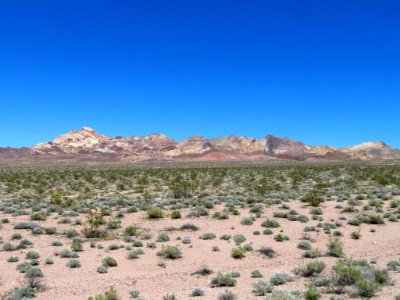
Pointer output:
x,y
170,252
109,294
223,280
163,237
76,246
335,248
197,292
268,252
270,224
189,227
155,213
281,237
109,262
102,269
394,265
13,259
203,271
113,246
262,288
304,245
23,267
22,293
34,272
208,236
313,198
32,255
256,274
312,268
73,263
132,230
227,295
238,252
247,221
366,288
282,295
176,214
49,261
313,253
312,293
280,278
239,238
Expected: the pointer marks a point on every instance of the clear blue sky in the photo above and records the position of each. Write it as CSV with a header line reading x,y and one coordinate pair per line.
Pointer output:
x,y
323,72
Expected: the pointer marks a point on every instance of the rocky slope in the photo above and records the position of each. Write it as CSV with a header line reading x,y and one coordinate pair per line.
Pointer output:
x,y
86,143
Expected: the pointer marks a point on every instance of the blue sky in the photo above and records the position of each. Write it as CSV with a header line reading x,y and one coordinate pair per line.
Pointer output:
x,y
323,72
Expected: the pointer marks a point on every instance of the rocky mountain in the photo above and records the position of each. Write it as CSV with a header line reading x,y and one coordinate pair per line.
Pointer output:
x,y
88,144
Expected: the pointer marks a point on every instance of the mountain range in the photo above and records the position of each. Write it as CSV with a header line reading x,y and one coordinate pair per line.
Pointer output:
x,y
88,144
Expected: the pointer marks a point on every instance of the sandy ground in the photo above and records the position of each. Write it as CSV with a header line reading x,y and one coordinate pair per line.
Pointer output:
x,y
145,275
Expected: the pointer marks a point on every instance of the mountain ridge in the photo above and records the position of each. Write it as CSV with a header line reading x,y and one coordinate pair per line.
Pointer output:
x,y
89,144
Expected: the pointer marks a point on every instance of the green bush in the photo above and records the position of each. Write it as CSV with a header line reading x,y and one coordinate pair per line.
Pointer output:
x,y
170,252
223,280
155,213
261,287
367,288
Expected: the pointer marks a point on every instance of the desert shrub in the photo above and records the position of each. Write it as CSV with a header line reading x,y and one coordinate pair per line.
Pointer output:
x,y
267,251
186,240
49,261
208,236
227,295
34,272
270,224
394,265
281,237
189,227
238,252
109,294
16,236
223,280
32,255
310,269
282,295
109,262
313,198
170,252
13,259
304,245
197,292
73,263
262,287
170,297
313,253
132,230
76,246
176,214
366,288
239,238
102,270
312,293
225,237
114,224
56,243
256,274
155,213
163,237
23,267
22,293
280,278
247,221
335,248
9,247
203,271
113,246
